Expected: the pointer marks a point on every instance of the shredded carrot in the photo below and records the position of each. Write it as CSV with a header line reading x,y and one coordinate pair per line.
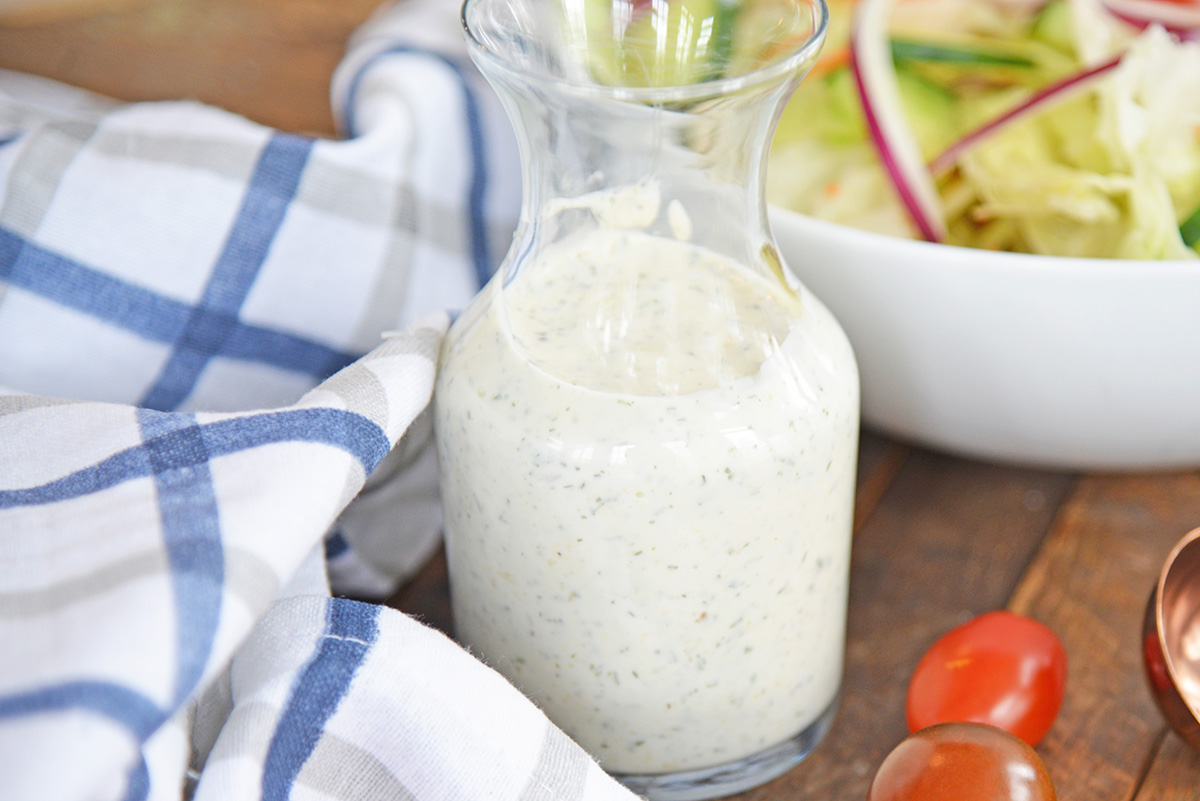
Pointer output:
x,y
830,60
831,189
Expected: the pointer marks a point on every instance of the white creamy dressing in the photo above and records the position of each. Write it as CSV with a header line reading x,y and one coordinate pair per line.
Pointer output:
x,y
652,544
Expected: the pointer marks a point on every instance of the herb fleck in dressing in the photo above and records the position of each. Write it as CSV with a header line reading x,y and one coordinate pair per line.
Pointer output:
x,y
648,533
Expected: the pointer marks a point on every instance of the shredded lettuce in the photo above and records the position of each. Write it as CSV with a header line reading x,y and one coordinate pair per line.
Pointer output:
x,y
1112,171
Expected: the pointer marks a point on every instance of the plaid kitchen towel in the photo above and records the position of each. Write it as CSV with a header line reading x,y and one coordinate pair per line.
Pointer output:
x,y
201,427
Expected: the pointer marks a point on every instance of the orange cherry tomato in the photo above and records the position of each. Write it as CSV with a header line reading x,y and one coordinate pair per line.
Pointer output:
x,y
999,668
962,762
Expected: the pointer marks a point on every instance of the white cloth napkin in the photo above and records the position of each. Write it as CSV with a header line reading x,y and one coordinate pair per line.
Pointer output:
x,y
201,427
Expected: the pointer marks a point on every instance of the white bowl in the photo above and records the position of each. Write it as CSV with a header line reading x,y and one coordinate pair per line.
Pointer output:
x,y
1089,364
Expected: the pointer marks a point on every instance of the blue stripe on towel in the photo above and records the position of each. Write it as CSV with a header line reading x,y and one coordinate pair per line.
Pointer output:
x,y
271,190
279,349
57,278
152,316
178,457
335,544
356,435
139,783
479,175
350,630
127,707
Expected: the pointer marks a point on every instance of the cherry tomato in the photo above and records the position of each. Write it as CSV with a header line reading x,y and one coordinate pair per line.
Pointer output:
x,y
998,668
962,762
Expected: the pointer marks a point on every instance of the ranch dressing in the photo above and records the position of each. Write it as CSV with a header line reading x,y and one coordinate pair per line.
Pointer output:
x,y
647,461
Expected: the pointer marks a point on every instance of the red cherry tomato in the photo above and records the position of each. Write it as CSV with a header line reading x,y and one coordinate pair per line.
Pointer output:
x,y
962,762
999,668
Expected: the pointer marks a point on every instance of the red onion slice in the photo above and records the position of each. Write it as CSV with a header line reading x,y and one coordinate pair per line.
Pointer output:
x,y
1060,90
1182,19
875,78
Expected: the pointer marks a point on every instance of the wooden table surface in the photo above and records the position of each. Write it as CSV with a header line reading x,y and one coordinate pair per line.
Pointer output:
x,y
937,538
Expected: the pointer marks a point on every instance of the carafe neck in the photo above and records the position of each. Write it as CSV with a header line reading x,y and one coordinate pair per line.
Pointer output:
x,y
685,161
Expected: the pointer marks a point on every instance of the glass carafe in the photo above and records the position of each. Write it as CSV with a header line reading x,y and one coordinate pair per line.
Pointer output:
x,y
647,428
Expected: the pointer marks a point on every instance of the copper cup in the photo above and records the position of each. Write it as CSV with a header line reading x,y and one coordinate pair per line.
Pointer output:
x,y
1171,639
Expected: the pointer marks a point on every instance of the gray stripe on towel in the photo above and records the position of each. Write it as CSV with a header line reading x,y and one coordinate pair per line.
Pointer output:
x,y
561,770
391,280
416,341
339,769
34,178
49,599
15,404
362,392
247,733
211,153
248,577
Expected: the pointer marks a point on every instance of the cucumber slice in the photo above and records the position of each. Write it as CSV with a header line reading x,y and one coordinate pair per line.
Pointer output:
x,y
904,50
1053,26
826,106
932,112
1190,230
842,121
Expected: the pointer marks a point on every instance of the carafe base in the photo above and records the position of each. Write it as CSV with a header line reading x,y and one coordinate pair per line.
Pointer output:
x,y
733,777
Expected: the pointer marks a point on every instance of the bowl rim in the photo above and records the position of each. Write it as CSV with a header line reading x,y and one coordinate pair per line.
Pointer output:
x,y
932,253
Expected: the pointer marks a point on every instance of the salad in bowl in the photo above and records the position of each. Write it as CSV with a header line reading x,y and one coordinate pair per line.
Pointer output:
x,y
1055,127
1000,202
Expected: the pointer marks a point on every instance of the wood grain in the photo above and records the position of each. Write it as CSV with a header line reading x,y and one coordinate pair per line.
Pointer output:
x,y
949,539
1174,774
48,12
879,461
268,60
1090,583
427,596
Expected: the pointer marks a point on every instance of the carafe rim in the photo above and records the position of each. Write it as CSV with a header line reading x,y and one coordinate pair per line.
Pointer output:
x,y
797,59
